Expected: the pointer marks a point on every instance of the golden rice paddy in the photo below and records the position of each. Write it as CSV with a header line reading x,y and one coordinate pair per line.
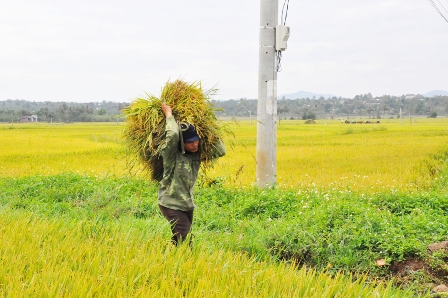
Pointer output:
x,y
329,154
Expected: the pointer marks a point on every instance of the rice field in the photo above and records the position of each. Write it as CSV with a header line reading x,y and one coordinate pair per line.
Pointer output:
x,y
330,154
48,149
44,257
74,236
391,155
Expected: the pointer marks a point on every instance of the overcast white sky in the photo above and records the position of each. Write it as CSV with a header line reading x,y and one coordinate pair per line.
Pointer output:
x,y
116,50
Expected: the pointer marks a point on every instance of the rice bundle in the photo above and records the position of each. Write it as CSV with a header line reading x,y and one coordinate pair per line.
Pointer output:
x,y
145,123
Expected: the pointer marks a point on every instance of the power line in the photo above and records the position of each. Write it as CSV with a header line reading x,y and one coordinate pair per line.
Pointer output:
x,y
279,61
438,10
286,13
283,22
442,6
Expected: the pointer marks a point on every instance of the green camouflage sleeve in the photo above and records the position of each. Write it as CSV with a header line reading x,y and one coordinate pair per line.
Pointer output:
x,y
219,150
170,147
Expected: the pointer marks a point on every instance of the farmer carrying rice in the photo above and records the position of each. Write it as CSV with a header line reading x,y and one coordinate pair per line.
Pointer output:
x,y
181,162
172,136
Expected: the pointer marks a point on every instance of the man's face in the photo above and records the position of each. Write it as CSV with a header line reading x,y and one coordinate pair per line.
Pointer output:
x,y
192,146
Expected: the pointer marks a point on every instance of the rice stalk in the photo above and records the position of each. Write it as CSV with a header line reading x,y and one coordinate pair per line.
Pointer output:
x,y
145,123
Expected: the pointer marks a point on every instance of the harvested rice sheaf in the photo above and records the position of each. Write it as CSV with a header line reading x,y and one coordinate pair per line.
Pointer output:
x,y
145,123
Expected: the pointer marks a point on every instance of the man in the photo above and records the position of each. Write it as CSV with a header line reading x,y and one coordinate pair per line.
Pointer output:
x,y
181,163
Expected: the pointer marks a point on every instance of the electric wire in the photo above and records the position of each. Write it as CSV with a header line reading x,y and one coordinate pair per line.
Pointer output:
x,y
279,61
283,22
442,6
438,10
286,13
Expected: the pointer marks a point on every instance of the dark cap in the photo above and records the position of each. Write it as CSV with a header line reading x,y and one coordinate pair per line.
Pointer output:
x,y
189,133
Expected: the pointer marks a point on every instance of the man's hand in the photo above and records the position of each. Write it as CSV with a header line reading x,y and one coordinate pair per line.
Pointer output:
x,y
166,109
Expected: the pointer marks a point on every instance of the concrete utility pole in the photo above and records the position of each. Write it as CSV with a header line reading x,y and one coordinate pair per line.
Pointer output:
x,y
267,95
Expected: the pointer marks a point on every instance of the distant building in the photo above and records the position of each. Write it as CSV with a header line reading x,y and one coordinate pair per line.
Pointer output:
x,y
32,118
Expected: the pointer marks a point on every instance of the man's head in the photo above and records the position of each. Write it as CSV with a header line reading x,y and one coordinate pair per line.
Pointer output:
x,y
190,137
192,146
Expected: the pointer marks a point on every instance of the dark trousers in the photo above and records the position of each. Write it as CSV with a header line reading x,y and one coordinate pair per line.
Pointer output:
x,y
180,223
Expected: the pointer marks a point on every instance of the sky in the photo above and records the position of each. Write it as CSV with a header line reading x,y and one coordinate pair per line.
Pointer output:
x,y
90,51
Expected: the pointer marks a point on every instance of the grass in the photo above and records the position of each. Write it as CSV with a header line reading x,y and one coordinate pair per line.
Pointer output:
x,y
108,247
336,232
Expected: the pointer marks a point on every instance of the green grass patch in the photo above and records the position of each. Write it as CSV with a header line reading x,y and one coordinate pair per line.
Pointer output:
x,y
55,257
336,231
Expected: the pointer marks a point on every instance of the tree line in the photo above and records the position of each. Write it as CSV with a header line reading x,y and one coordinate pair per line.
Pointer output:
x,y
15,110
360,106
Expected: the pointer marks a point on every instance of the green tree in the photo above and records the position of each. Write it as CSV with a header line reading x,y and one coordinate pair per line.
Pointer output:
x,y
419,108
309,115
433,115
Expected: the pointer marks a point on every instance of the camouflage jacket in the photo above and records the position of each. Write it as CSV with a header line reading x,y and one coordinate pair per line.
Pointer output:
x,y
180,171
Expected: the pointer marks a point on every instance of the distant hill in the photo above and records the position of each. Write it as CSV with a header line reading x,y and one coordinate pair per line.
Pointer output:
x,y
304,94
436,93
